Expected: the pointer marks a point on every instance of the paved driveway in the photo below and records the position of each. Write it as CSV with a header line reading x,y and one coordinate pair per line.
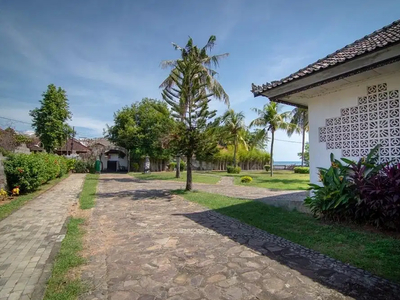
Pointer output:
x,y
147,244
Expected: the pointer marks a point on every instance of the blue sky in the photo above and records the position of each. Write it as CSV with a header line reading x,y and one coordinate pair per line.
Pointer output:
x,y
107,54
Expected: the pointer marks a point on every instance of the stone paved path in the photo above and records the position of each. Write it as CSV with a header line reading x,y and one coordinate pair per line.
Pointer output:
x,y
146,244
28,237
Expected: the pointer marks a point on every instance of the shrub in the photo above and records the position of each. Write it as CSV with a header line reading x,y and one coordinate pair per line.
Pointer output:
x,y
233,170
29,171
182,166
70,164
267,168
135,167
380,198
246,179
80,166
302,170
172,166
365,191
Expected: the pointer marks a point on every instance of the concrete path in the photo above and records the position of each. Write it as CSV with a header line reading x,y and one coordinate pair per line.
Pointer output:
x,y
146,244
30,237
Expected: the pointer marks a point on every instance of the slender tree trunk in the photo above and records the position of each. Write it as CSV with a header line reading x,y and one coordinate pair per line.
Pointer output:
x,y
234,152
302,146
272,152
178,166
189,173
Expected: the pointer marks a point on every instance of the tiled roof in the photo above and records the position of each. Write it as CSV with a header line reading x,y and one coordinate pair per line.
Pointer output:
x,y
77,146
381,38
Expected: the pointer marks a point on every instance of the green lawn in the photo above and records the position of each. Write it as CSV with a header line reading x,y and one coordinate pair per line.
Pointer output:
x,y
88,195
197,177
374,252
61,285
9,208
281,180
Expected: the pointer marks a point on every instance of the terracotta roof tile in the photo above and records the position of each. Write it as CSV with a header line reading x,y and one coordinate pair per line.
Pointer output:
x,y
383,37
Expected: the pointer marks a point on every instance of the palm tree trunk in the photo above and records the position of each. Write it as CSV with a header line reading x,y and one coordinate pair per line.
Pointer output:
x,y
189,173
272,152
178,166
234,152
302,146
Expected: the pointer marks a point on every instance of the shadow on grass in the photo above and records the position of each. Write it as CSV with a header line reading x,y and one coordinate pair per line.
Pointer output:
x,y
329,272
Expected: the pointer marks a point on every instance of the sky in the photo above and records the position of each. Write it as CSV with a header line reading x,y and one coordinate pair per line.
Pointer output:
x,y
107,54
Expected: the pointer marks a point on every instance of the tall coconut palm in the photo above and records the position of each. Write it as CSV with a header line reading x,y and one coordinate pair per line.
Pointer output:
x,y
188,88
270,119
234,125
299,124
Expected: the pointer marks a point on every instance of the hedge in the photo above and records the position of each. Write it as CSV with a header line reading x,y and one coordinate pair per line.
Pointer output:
x,y
29,171
233,170
302,170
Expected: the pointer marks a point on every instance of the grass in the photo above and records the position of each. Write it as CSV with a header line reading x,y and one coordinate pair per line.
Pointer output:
x,y
197,177
62,284
8,208
88,195
375,252
281,180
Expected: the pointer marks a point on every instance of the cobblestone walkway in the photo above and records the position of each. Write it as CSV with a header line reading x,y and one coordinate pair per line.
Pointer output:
x,y
28,237
146,244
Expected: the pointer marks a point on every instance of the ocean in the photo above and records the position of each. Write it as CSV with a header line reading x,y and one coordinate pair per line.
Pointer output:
x,y
287,162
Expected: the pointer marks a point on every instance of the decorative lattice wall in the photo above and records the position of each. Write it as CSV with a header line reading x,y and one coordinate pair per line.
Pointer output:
x,y
375,120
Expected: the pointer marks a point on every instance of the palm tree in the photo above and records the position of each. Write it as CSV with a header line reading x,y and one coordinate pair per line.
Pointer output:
x,y
234,125
271,120
299,124
189,86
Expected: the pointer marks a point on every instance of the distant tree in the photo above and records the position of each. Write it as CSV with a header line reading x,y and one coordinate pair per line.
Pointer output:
x,y
270,119
50,119
299,124
141,128
188,90
305,155
235,128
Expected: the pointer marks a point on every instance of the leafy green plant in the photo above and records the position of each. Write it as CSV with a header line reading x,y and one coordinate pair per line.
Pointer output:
x,y
267,168
172,166
182,165
302,170
333,200
135,167
246,179
233,170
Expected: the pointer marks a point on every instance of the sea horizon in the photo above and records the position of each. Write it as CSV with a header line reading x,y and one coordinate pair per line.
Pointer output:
x,y
287,162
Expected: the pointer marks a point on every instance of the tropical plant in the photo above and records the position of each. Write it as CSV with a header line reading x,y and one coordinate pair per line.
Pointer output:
x,y
187,90
267,168
235,127
332,200
270,119
50,120
299,124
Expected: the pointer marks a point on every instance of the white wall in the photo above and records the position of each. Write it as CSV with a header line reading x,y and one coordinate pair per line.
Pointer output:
x,y
330,105
123,162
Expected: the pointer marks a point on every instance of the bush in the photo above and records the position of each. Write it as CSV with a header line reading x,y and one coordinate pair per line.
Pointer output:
x,y
246,179
182,165
267,168
84,166
365,191
29,171
135,167
302,170
172,166
233,170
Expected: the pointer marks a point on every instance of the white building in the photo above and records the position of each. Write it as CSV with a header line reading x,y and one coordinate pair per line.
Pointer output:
x,y
352,96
